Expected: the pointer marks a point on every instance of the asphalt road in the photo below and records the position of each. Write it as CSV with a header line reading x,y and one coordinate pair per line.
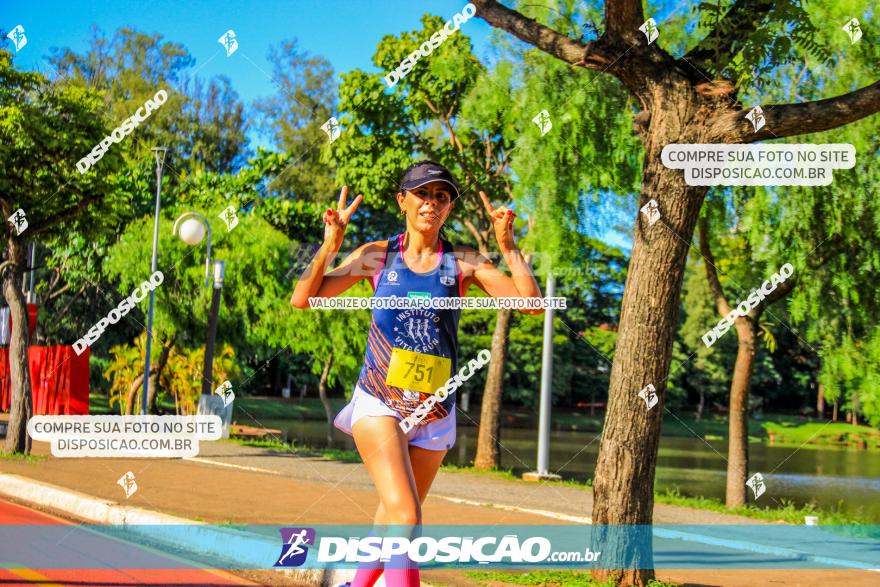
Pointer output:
x,y
60,542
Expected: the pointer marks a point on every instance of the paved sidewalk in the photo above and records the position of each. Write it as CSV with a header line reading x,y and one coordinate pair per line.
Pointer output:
x,y
230,483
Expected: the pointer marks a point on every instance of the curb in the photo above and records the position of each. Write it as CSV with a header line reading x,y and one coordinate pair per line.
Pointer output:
x,y
101,511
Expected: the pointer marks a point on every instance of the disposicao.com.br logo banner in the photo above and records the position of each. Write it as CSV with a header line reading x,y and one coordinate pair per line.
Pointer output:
x,y
569,546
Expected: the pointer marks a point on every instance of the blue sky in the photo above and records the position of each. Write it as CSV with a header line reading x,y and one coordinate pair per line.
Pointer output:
x,y
345,32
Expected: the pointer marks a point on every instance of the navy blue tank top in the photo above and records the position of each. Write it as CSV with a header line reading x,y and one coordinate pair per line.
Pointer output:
x,y
428,331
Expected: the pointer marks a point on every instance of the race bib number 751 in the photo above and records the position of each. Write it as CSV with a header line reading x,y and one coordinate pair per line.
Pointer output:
x,y
417,371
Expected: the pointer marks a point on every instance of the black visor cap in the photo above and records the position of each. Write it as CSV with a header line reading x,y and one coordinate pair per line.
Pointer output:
x,y
426,173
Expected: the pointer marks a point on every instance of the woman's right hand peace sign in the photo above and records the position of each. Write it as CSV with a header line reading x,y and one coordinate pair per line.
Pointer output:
x,y
336,221
502,220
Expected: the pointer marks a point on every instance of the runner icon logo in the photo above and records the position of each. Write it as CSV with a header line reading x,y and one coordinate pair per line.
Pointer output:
x,y
649,394
294,548
128,484
756,482
651,210
229,42
331,127
756,117
229,217
19,220
542,119
854,30
649,28
225,392
18,38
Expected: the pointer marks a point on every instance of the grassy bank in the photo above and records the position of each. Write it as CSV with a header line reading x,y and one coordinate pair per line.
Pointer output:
x,y
789,512
546,578
22,457
330,454
774,428
245,409
821,434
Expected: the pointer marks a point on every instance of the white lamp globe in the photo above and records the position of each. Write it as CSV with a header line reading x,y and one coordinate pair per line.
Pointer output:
x,y
192,231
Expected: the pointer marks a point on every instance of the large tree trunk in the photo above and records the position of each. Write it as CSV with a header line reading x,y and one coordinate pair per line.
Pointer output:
x,y
738,435
488,455
623,486
21,408
322,393
820,402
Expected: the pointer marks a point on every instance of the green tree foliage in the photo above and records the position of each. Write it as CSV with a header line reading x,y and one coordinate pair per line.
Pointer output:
x,y
747,41
305,98
589,155
202,125
386,131
829,232
42,126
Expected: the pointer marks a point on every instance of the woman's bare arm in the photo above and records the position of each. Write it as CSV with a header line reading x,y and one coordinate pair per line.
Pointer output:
x,y
481,272
314,282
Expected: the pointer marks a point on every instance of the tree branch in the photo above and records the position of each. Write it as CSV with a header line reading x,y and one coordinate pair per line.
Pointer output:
x,y
482,244
782,290
785,120
540,36
711,272
59,316
71,212
55,294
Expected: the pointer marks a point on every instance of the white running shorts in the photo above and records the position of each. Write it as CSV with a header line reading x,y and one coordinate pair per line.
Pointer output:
x,y
436,435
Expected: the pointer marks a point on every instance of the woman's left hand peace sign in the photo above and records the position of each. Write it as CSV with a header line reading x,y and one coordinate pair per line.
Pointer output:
x,y
502,220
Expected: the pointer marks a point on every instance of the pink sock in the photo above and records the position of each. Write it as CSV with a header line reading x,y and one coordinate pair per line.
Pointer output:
x,y
402,577
367,576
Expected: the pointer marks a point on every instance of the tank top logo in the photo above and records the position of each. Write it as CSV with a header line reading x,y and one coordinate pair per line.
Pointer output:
x,y
417,330
392,277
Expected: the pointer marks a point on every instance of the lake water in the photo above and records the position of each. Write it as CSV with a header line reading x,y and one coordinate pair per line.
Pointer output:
x,y
825,476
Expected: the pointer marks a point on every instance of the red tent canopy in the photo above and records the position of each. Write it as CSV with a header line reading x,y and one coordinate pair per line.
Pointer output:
x,y
59,377
59,380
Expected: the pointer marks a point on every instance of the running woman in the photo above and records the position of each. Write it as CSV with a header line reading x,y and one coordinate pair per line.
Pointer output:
x,y
416,262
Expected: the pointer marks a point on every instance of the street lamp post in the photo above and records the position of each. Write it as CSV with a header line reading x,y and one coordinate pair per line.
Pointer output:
x,y
159,153
543,472
192,228
219,271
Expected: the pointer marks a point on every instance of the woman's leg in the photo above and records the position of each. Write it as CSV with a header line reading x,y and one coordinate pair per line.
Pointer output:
x,y
425,464
383,448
